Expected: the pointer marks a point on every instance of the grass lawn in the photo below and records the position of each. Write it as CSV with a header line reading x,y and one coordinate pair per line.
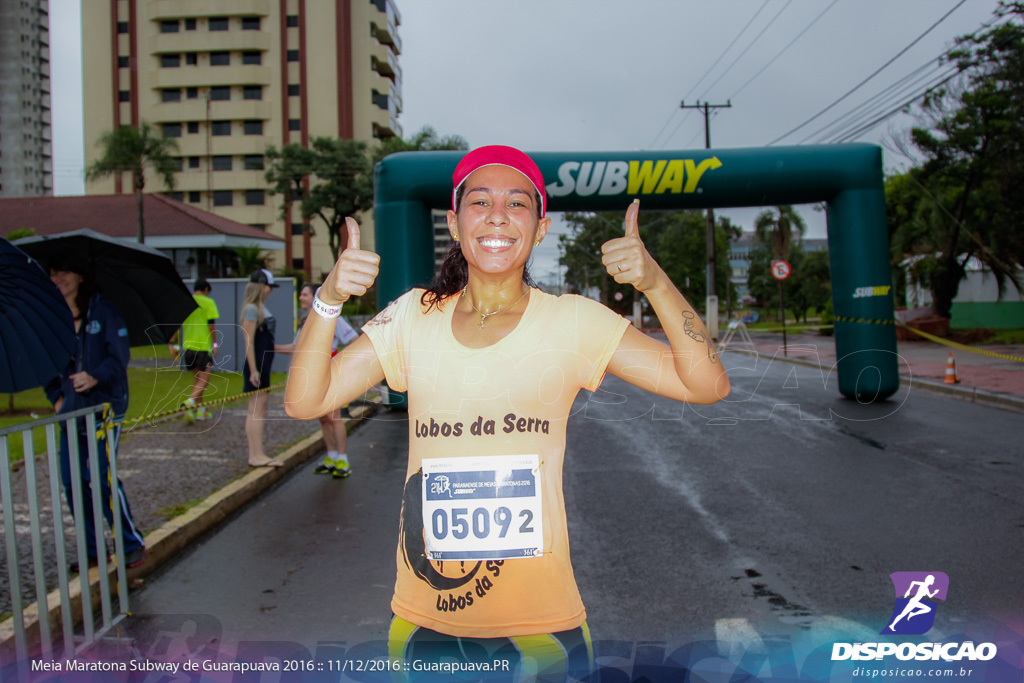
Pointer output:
x,y
1006,337
154,389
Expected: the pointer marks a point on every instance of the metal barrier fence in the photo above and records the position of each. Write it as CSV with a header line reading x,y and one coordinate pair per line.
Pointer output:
x,y
96,418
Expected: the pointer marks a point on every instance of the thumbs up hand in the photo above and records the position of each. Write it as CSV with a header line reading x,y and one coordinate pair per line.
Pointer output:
x,y
354,272
627,259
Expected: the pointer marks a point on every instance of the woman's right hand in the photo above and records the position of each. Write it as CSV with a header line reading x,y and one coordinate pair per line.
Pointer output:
x,y
254,378
354,272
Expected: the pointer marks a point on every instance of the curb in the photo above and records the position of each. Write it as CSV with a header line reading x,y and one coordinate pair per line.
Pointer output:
x,y
172,537
962,392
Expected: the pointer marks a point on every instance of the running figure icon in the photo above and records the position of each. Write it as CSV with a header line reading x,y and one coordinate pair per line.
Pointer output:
x,y
916,606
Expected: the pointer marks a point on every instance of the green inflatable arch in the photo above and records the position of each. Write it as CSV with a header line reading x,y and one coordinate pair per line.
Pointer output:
x,y
848,178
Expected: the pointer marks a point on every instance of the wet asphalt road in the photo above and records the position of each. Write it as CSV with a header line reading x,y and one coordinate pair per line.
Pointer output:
x,y
781,510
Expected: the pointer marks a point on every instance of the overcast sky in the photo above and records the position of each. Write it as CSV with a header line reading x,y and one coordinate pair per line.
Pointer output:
x,y
590,75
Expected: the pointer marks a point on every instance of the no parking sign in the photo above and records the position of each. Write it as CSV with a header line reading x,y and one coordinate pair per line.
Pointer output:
x,y
781,269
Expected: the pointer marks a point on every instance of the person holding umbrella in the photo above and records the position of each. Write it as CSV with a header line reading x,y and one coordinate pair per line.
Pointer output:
x,y
97,373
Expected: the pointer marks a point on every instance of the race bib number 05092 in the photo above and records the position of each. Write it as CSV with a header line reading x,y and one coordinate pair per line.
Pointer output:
x,y
482,508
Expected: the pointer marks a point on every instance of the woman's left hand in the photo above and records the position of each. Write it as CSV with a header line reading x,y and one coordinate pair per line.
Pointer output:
x,y
83,381
627,259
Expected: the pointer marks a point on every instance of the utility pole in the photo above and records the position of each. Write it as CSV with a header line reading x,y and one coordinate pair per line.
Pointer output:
x,y
712,300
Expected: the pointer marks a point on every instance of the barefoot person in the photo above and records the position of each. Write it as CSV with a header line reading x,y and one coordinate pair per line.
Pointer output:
x,y
336,461
259,326
492,365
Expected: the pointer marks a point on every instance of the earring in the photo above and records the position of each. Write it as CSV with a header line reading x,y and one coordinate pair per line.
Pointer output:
x,y
455,236
537,243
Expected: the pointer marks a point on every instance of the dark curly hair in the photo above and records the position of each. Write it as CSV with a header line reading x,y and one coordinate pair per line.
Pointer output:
x,y
453,275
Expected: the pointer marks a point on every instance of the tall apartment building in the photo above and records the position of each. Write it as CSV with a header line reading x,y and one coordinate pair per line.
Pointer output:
x,y
26,166
227,78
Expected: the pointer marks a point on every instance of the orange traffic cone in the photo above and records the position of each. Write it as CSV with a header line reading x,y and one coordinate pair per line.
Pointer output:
x,y
951,371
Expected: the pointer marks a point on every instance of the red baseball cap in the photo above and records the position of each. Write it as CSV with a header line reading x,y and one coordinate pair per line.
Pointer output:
x,y
499,155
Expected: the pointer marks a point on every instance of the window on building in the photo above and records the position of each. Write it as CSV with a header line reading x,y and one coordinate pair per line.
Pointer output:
x,y
220,93
293,55
170,26
193,127
254,128
218,23
170,61
192,93
296,228
123,62
252,58
250,23
254,198
124,96
223,198
176,196
122,27
190,24
298,263
220,128
292,20
191,59
170,95
252,92
193,162
172,130
294,124
220,59
193,196
222,163
293,89
258,226
179,164
253,162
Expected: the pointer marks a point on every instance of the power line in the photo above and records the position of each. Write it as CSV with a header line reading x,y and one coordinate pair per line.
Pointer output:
x,y
701,79
875,73
749,45
837,130
783,50
871,124
877,101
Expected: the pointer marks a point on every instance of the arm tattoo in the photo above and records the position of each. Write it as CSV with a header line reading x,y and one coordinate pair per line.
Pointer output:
x,y
698,336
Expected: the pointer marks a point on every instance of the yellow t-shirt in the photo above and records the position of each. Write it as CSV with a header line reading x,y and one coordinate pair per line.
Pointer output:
x,y
510,399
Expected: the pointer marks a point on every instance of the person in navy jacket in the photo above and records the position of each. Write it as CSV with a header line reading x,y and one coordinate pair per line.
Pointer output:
x,y
96,374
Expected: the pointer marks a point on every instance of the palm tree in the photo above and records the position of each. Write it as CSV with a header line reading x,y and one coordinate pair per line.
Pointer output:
x,y
134,150
775,230
426,140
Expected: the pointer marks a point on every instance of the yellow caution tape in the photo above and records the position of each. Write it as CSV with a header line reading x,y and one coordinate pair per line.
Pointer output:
x,y
869,321
884,321
178,411
957,345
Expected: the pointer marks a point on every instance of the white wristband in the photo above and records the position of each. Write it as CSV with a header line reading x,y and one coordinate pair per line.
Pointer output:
x,y
325,310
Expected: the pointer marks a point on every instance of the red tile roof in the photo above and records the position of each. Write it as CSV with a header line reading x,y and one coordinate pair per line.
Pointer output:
x,y
116,215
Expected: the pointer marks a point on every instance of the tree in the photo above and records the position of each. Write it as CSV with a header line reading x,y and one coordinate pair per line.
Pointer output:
x,y
676,240
967,192
776,229
136,150
426,140
331,179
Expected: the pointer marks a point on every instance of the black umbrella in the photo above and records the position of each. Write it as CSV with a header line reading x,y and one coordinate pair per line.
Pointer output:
x,y
139,280
37,333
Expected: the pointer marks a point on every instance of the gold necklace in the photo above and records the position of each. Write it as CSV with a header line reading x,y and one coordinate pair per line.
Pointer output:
x,y
485,316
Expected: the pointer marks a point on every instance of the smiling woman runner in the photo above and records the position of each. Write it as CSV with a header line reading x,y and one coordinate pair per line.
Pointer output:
x,y
492,366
